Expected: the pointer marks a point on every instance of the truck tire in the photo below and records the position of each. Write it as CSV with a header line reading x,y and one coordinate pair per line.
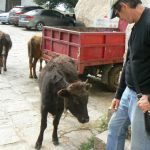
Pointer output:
x,y
71,24
113,77
83,77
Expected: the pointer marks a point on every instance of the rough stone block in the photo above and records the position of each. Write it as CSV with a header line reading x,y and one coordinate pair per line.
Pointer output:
x,y
101,139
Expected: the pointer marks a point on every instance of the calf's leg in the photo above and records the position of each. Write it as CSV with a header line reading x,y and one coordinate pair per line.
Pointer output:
x,y
44,113
1,63
1,60
30,67
55,124
5,54
34,68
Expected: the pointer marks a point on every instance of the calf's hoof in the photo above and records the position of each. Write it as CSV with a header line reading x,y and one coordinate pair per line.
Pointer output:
x,y
5,69
55,142
30,76
35,76
38,146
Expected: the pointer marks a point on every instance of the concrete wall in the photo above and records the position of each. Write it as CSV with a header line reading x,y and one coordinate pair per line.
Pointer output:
x,y
2,5
27,2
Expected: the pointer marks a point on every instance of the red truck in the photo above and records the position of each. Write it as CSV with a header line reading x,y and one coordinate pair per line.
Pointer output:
x,y
96,51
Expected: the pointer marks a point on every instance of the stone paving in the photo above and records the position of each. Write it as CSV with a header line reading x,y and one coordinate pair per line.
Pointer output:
x,y
20,104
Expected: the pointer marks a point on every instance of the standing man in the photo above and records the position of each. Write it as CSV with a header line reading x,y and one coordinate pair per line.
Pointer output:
x,y
127,110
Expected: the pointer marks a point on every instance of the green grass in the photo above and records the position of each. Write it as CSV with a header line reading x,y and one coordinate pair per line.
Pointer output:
x,y
101,126
103,123
87,145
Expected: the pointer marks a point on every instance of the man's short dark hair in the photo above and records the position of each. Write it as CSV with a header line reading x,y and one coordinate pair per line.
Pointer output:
x,y
117,5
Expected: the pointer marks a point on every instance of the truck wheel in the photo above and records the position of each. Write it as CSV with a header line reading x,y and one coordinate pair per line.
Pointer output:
x,y
71,24
39,26
113,78
83,77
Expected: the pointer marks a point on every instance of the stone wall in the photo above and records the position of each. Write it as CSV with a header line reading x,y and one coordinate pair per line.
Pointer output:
x,y
89,11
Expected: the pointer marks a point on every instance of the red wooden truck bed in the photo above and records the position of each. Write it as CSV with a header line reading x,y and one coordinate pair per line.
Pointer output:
x,y
95,50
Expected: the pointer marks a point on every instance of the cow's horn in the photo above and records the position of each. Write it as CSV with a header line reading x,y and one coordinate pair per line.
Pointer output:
x,y
86,81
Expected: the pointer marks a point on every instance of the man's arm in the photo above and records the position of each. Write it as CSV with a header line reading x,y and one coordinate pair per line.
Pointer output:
x,y
122,84
121,87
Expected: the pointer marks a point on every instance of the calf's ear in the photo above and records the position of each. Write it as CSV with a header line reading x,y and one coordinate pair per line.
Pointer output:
x,y
88,86
63,93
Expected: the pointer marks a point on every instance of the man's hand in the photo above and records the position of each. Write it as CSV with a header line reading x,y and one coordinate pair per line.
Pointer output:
x,y
143,103
114,104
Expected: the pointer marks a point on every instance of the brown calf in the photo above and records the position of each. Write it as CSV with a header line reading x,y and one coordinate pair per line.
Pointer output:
x,y
34,53
61,90
5,46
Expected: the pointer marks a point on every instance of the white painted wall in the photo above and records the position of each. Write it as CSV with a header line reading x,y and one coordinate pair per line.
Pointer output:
x,y
27,2
2,4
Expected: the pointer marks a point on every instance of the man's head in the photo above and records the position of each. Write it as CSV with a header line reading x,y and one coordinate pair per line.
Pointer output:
x,y
117,6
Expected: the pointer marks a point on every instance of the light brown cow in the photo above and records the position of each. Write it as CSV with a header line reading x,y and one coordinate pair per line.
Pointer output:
x,y
34,53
